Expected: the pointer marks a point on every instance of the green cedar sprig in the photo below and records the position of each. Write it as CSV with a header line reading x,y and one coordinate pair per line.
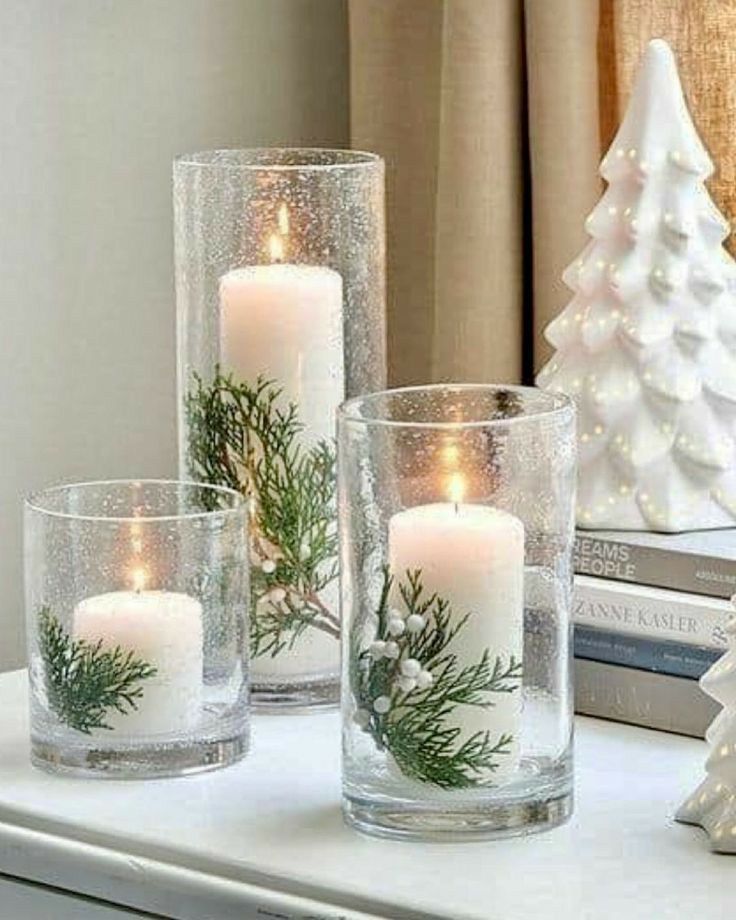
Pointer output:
x,y
245,437
415,729
85,682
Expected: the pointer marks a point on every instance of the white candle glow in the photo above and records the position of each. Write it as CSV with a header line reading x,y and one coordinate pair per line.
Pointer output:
x,y
165,630
285,322
473,557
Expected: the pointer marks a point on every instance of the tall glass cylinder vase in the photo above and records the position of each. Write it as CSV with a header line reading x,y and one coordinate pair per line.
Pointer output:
x,y
280,296
456,530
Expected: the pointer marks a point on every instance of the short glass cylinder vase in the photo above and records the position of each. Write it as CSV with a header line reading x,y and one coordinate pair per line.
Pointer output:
x,y
456,531
281,315
136,611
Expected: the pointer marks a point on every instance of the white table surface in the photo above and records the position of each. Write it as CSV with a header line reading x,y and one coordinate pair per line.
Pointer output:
x,y
264,838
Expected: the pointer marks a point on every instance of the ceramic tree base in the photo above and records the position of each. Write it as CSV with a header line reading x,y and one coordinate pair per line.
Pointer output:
x,y
713,804
713,807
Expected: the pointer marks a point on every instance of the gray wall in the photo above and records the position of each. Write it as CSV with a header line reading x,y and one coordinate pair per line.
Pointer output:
x,y
96,97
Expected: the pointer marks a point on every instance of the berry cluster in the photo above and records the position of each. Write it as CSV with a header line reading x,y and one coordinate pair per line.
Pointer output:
x,y
408,674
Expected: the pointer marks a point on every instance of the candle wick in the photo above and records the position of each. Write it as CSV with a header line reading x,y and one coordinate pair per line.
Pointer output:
x,y
457,509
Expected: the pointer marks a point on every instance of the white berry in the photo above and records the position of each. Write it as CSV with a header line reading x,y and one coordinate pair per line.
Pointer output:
x,y
415,623
382,704
268,566
395,614
407,684
424,680
396,627
276,595
411,668
377,649
392,650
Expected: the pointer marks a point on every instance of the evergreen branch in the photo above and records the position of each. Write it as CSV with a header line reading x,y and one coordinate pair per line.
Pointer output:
x,y
408,683
84,682
244,437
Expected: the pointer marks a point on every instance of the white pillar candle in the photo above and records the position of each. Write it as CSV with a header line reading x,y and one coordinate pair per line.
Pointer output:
x,y
164,629
285,322
473,557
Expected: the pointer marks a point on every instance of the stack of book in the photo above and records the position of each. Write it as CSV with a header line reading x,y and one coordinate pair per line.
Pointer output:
x,y
649,612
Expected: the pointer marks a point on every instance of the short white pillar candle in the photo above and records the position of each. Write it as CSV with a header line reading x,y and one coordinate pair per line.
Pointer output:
x,y
164,629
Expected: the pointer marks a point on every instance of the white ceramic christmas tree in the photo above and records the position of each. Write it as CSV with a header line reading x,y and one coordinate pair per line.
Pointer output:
x,y
647,345
713,804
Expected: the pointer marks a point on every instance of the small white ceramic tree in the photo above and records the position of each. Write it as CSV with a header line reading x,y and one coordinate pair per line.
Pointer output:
x,y
713,804
647,345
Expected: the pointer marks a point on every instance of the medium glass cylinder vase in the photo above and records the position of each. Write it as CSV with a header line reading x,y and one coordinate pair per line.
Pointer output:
x,y
456,531
136,611
280,296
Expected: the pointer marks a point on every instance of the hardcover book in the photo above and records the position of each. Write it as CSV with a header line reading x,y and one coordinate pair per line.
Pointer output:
x,y
673,704
652,613
673,658
701,562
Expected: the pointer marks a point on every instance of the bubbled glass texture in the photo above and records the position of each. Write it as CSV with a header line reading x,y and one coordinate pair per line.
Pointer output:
x,y
471,486
136,613
280,284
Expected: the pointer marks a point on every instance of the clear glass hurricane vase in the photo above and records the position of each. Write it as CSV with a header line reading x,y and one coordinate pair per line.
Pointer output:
x,y
136,611
456,530
280,296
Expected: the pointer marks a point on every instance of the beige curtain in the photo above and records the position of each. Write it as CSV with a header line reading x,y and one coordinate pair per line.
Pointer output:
x,y
564,147
438,87
493,116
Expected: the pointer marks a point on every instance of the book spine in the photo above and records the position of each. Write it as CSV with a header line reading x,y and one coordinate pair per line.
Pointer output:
x,y
673,704
651,565
657,615
644,654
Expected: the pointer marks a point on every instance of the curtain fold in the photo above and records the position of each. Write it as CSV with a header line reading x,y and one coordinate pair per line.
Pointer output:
x,y
564,146
395,50
493,116
478,207
435,88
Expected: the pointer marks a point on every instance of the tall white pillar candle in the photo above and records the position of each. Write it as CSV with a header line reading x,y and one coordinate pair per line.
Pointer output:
x,y
473,557
164,629
285,322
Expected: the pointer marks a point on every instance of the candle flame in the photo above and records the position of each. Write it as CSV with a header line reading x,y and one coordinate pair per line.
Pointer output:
x,y
139,580
283,219
450,454
136,540
276,248
456,488
277,241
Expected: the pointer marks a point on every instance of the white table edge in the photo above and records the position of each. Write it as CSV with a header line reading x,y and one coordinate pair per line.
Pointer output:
x,y
145,883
